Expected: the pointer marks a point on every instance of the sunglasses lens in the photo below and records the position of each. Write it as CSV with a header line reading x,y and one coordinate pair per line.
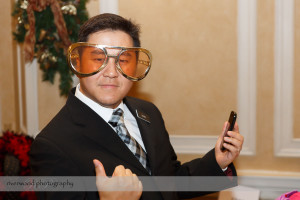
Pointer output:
x,y
86,59
134,63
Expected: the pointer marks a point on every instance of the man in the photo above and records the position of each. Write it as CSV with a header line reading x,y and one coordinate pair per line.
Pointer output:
x,y
122,136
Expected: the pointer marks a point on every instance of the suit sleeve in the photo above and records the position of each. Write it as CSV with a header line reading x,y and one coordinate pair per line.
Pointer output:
x,y
47,160
205,167
206,172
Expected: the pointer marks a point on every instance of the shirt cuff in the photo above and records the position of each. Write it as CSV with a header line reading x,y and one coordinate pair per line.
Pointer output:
x,y
225,169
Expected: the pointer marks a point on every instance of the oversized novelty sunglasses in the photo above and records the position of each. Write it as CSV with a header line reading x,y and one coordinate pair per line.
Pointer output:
x,y
88,59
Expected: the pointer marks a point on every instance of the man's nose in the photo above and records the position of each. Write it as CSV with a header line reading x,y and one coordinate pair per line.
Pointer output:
x,y
110,69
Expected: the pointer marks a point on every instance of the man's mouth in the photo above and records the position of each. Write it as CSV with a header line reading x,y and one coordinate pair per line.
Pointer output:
x,y
109,85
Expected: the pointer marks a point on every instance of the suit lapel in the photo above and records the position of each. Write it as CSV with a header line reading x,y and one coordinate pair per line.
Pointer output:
x,y
144,124
95,128
147,130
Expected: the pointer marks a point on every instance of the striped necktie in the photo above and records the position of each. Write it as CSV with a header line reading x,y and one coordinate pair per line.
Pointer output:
x,y
117,121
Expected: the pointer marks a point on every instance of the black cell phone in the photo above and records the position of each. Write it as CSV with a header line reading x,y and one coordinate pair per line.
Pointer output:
x,y
230,126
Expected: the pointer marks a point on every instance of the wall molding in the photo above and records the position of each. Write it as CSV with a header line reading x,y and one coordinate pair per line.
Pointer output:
x,y
31,125
246,97
31,97
247,15
20,90
284,143
271,187
109,6
194,144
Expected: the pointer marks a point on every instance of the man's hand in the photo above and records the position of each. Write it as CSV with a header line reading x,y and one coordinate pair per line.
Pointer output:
x,y
123,185
233,145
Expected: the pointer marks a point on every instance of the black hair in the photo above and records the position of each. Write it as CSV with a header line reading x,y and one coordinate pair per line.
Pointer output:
x,y
111,22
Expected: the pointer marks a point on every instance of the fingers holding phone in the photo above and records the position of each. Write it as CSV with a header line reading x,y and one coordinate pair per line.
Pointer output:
x,y
229,127
230,142
233,142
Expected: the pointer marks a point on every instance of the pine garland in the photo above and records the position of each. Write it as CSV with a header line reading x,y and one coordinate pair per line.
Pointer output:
x,y
49,48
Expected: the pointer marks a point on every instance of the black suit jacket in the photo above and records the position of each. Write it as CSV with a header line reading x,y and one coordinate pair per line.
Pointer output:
x,y
77,135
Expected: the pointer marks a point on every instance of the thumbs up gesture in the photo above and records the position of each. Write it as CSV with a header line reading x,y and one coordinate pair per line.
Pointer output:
x,y
122,185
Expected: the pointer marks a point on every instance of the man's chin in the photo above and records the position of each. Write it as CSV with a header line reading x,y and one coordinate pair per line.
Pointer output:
x,y
109,104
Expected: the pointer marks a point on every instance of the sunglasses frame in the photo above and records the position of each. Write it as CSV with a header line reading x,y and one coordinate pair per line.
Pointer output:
x,y
103,48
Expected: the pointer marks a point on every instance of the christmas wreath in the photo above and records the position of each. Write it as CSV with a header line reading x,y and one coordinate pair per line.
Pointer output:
x,y
47,28
14,161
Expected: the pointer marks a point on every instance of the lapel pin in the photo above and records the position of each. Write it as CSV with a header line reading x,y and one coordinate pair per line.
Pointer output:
x,y
143,116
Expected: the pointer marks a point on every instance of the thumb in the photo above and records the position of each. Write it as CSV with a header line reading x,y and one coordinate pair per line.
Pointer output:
x,y
219,143
99,168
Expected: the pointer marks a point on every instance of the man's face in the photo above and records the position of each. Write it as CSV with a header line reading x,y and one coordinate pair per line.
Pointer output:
x,y
108,87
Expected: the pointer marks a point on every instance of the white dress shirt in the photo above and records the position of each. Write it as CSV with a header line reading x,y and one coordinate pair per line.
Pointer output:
x,y
106,113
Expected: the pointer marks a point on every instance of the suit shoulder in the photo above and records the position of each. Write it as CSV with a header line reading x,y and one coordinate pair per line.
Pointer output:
x,y
57,123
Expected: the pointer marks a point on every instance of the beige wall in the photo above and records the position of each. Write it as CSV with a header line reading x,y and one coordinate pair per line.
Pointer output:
x,y
49,100
195,70
8,94
194,48
194,45
194,73
297,71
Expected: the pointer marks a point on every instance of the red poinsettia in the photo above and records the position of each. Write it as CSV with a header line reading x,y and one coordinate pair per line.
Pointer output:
x,y
17,145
